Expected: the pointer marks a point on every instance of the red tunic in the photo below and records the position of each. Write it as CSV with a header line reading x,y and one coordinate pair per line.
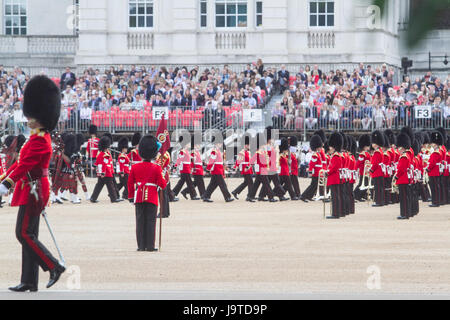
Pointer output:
x,y
242,162
377,159
123,164
294,165
402,170
352,169
215,164
261,162
334,170
325,159
143,182
315,165
134,157
433,164
34,158
284,165
197,163
444,162
104,165
387,164
92,147
184,161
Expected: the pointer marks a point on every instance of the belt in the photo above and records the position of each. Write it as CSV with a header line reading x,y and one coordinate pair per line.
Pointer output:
x,y
148,184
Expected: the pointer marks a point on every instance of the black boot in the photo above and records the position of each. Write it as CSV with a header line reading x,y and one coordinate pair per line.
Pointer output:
x,y
55,274
23,288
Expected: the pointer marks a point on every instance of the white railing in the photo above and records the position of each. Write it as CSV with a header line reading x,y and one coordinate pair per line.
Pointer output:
x,y
321,40
231,40
140,41
39,45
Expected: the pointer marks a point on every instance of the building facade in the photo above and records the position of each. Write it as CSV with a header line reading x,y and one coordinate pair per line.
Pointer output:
x,y
49,34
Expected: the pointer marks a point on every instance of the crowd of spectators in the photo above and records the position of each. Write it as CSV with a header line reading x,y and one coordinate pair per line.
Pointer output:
x,y
364,99
136,88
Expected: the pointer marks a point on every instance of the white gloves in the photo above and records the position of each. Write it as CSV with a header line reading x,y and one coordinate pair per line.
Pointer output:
x,y
3,190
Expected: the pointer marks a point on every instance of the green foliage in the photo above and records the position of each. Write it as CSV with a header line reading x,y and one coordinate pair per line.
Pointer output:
x,y
424,14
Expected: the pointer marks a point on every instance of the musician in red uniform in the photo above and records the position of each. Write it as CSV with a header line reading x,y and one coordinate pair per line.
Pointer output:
x,y
105,172
443,167
386,170
134,154
215,166
242,162
123,167
144,181
184,163
293,141
433,169
315,166
344,175
376,169
352,173
273,153
29,176
285,170
363,158
401,177
92,146
261,162
334,175
197,171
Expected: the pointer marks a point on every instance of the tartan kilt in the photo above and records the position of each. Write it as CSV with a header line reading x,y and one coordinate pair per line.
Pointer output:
x,y
69,182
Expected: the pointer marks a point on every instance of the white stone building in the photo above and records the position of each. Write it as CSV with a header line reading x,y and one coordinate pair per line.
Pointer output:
x,y
49,34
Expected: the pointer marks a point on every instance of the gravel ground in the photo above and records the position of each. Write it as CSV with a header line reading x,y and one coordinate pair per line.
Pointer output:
x,y
282,250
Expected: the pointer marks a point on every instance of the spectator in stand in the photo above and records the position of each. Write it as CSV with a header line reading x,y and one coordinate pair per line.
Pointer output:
x,y
283,76
67,79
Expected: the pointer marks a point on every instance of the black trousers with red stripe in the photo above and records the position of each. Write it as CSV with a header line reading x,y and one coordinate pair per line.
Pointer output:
x,y
248,183
277,188
265,186
405,203
311,191
145,225
123,183
444,191
435,187
337,209
217,180
378,184
185,178
101,182
286,184
296,186
34,253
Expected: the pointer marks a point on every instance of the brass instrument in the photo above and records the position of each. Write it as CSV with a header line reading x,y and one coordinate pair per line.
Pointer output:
x,y
394,186
366,174
322,182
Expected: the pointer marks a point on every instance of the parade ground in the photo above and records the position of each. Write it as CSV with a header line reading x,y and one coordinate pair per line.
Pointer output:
x,y
239,250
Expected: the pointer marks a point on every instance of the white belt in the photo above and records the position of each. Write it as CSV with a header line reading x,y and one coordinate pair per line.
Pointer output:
x,y
198,164
148,184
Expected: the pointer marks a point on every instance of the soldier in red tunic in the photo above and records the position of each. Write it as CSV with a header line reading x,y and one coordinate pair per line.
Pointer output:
x,y
242,162
443,167
363,158
105,172
334,176
433,169
145,179
315,167
184,163
293,141
123,167
29,175
92,146
376,169
285,169
134,154
401,177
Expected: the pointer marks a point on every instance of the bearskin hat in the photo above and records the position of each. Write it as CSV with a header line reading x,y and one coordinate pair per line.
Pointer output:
x,y
378,138
42,101
148,147
123,143
20,141
447,143
391,137
353,145
80,141
9,140
104,143
260,140
436,137
336,141
293,141
110,137
315,142
344,141
321,134
284,146
403,141
386,141
269,133
443,132
92,129
70,144
416,147
136,138
246,140
409,132
426,137
418,136
364,141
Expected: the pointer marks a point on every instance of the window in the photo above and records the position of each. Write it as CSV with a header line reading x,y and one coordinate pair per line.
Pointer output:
x,y
231,13
15,17
321,13
259,13
141,13
203,13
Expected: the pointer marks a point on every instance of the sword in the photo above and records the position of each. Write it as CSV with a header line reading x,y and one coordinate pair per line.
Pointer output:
x,y
33,191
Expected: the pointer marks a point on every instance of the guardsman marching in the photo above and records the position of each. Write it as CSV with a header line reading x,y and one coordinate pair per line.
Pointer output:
x,y
123,167
144,182
443,167
41,106
242,162
334,175
293,141
92,145
401,177
447,172
184,162
215,166
376,170
433,169
285,169
363,160
197,171
134,154
315,168
105,172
